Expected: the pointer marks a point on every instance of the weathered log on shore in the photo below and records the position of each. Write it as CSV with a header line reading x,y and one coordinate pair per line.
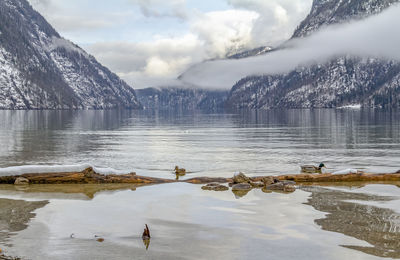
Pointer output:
x,y
314,178
351,177
88,176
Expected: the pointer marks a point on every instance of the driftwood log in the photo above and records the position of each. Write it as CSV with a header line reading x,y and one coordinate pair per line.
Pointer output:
x,y
351,177
89,176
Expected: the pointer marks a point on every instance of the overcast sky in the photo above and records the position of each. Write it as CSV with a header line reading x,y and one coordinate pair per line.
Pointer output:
x,y
151,42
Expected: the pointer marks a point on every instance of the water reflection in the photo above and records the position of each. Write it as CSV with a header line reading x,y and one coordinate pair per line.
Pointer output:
x,y
151,142
189,223
146,243
378,226
15,216
240,193
65,191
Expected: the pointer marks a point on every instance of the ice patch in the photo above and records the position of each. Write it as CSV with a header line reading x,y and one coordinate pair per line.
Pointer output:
x,y
18,170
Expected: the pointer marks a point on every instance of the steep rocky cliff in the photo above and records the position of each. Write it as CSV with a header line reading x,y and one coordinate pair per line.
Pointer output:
x,y
326,12
41,70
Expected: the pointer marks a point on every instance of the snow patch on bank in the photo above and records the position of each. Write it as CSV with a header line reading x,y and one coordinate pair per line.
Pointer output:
x,y
18,170
353,106
346,171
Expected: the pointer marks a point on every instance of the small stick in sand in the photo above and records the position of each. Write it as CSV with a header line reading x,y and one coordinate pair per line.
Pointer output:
x,y
146,233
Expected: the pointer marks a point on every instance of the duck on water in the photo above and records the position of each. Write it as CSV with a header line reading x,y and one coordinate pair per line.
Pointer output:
x,y
312,168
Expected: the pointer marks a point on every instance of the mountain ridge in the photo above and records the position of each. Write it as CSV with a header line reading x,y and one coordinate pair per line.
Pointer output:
x,y
327,12
341,81
41,70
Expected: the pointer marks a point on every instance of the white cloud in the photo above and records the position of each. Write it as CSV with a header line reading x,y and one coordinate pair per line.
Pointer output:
x,y
108,31
162,8
224,31
163,57
277,18
211,35
69,17
373,37
67,23
42,3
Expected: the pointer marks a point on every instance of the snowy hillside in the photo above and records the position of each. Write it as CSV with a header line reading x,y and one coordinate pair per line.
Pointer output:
x,y
41,70
327,12
182,98
340,81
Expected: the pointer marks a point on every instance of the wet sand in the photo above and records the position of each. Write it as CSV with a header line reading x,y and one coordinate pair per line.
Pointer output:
x,y
189,223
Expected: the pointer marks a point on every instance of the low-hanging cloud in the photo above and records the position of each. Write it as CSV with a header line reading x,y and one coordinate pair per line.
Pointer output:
x,y
375,37
241,25
152,63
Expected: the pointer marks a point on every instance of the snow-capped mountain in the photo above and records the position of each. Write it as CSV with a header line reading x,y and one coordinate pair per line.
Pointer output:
x,y
182,98
327,12
338,82
41,70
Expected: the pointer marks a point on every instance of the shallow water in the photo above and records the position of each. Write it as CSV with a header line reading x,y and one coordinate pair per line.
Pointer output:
x,y
189,223
341,222
152,142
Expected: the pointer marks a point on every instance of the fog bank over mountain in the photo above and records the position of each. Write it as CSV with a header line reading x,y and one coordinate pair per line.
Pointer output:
x,y
375,37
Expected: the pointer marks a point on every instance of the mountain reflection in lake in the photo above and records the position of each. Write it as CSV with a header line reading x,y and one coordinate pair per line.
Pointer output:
x,y
153,142
379,227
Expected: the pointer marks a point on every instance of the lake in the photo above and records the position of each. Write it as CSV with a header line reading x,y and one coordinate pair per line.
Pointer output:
x,y
151,143
342,221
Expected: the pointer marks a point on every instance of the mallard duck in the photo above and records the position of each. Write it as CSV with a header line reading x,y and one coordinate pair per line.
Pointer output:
x,y
180,171
312,168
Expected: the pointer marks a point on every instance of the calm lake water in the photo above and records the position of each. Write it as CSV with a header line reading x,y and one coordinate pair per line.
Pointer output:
x,y
64,221
152,143
186,222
